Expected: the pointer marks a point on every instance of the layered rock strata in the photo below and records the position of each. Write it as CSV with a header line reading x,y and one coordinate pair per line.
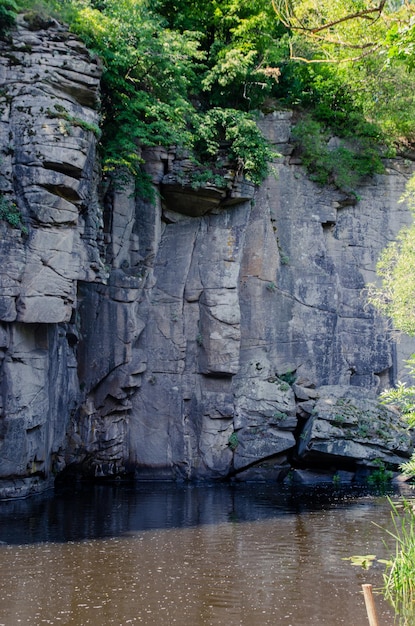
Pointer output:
x,y
49,102
207,334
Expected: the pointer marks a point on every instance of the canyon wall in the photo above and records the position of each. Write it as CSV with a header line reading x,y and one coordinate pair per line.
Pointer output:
x,y
206,334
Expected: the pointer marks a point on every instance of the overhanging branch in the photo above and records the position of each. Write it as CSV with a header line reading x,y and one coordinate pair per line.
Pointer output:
x,y
291,21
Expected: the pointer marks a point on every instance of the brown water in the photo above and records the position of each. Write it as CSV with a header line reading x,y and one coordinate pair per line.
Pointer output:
x,y
190,556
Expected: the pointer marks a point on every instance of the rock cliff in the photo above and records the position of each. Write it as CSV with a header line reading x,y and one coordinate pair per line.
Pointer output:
x,y
206,334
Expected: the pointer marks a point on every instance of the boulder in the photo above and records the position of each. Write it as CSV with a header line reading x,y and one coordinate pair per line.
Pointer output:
x,y
350,428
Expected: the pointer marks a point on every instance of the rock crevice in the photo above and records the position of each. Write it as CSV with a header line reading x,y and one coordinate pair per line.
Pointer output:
x,y
214,333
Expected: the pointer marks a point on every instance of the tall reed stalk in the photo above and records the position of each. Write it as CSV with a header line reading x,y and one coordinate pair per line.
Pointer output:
x,y
399,574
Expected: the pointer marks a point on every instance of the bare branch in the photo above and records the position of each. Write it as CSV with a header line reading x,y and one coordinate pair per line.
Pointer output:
x,y
326,33
289,18
344,44
360,14
293,57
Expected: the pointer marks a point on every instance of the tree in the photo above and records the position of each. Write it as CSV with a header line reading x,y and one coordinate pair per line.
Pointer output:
x,y
342,30
395,297
8,12
165,70
171,65
347,63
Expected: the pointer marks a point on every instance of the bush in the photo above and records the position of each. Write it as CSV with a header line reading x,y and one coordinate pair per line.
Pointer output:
x,y
8,13
247,148
344,165
402,397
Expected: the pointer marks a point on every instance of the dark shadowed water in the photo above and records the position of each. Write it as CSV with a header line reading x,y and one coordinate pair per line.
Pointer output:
x,y
191,556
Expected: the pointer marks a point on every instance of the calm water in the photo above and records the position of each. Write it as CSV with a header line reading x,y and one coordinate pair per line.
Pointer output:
x,y
190,556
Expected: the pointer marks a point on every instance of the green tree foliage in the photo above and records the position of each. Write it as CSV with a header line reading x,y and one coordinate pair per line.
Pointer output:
x,y
169,69
148,75
241,40
395,296
353,58
171,66
345,163
333,29
8,13
247,149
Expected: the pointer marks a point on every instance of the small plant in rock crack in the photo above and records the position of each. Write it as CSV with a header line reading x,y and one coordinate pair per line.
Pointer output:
x,y
363,430
278,416
11,214
62,114
233,441
288,377
380,476
336,480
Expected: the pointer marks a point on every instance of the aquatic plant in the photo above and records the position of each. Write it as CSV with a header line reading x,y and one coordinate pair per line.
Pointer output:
x,y
399,575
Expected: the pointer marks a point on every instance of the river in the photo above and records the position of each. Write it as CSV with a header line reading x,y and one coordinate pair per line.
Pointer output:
x,y
186,555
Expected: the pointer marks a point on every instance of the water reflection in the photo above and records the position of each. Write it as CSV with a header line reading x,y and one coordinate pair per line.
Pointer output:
x,y
107,511
191,556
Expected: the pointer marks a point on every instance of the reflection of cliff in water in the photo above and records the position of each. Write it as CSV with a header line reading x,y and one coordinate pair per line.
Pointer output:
x,y
105,511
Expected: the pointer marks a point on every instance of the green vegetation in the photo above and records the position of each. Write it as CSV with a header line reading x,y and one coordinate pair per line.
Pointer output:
x,y
163,85
395,296
399,576
365,561
399,573
344,164
380,476
402,397
196,75
8,13
11,214
349,67
61,113
288,377
233,441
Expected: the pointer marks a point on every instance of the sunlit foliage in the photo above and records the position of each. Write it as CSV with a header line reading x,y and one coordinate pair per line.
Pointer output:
x,y
170,63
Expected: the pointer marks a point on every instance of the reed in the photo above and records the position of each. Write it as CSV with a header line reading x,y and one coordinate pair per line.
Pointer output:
x,y
399,574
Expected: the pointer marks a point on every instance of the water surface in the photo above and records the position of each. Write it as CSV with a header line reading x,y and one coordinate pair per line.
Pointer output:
x,y
191,556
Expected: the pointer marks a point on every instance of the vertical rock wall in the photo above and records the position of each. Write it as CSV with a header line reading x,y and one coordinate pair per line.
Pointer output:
x,y
48,113
192,337
245,300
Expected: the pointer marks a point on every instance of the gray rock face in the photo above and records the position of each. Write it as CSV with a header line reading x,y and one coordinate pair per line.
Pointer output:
x,y
50,84
209,334
347,424
48,102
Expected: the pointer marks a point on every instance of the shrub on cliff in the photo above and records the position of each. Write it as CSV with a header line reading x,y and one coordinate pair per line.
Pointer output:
x,y
8,14
152,89
170,67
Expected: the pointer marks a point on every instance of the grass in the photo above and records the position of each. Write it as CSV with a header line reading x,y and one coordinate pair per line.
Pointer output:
x,y
399,574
